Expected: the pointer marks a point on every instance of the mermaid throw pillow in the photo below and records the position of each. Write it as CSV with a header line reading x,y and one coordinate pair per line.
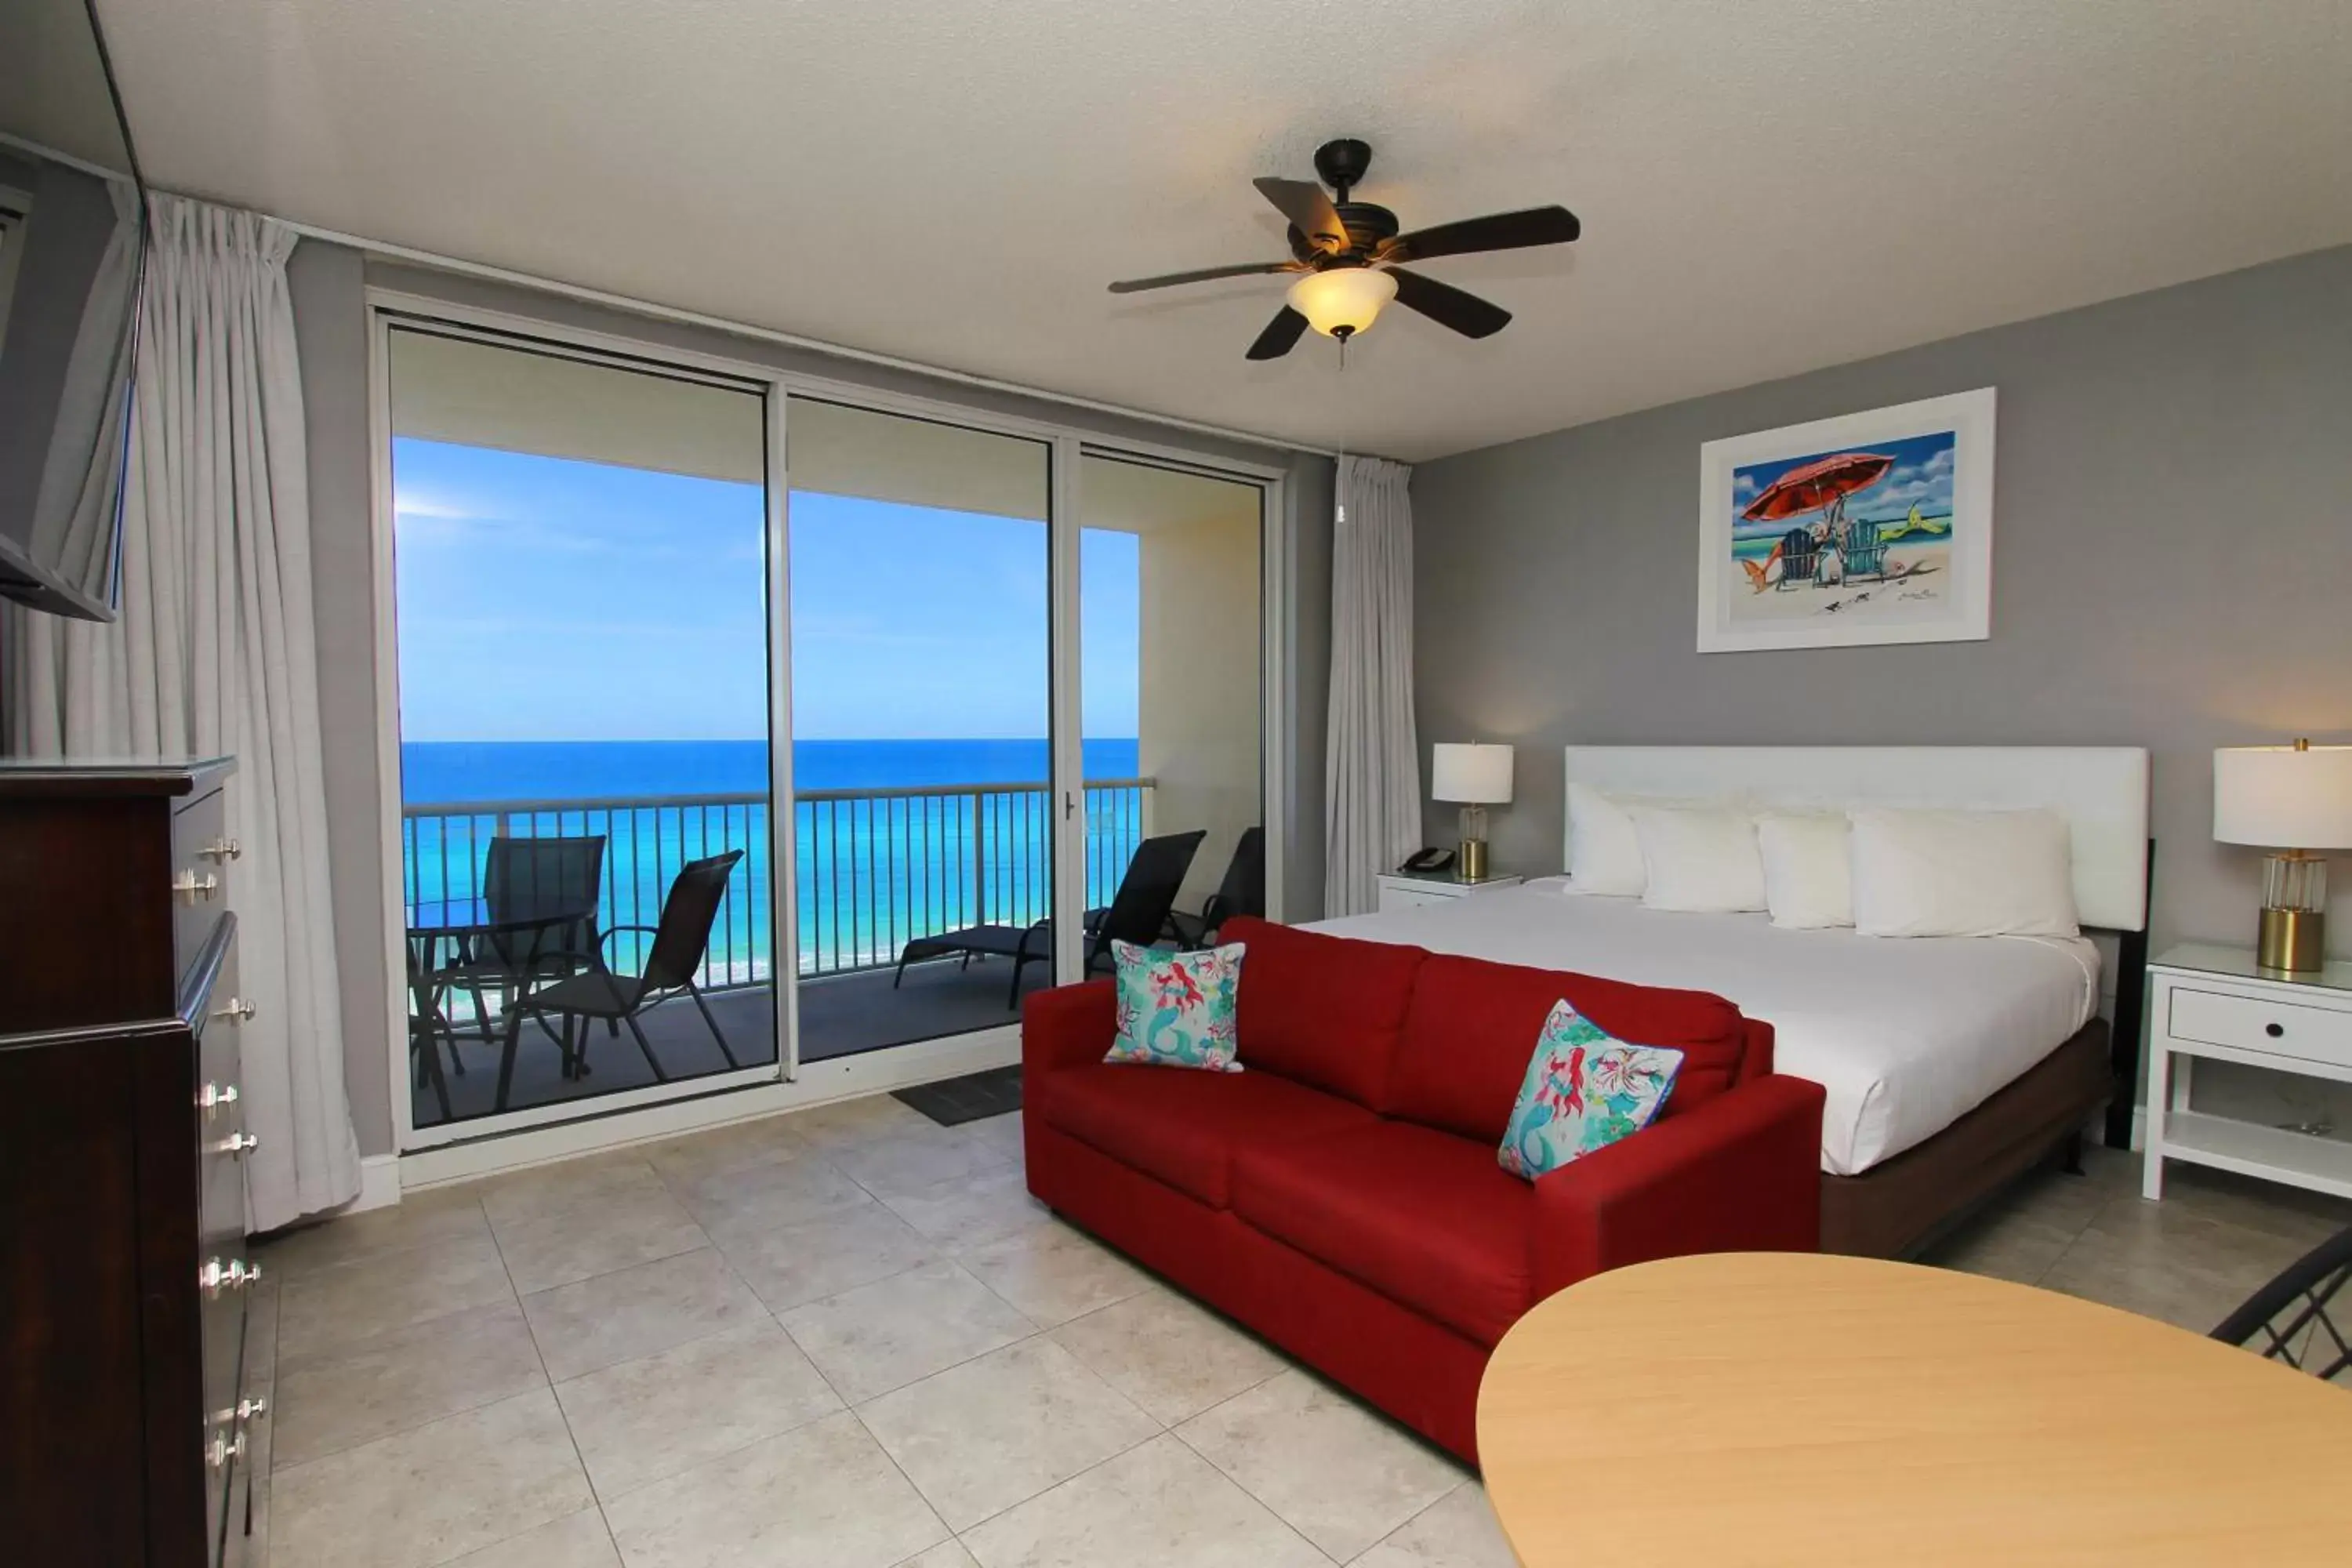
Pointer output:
x,y
1177,1009
1585,1089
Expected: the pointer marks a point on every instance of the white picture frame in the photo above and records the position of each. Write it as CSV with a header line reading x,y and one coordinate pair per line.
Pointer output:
x,y
1894,506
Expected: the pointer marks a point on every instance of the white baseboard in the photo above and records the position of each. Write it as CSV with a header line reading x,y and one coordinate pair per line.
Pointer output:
x,y
379,1184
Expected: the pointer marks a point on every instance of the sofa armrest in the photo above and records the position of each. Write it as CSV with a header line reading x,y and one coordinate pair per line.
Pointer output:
x,y
1740,1173
1066,1025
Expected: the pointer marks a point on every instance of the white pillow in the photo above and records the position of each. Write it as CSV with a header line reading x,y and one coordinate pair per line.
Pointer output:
x,y
1702,861
1808,869
1604,856
1963,873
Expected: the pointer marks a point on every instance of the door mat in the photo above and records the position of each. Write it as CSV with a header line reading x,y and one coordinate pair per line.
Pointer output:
x,y
953,1100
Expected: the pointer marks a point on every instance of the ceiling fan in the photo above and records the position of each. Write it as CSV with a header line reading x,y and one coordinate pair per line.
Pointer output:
x,y
1347,255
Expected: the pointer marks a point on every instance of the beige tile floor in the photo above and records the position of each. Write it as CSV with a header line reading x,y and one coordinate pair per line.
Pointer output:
x,y
848,1339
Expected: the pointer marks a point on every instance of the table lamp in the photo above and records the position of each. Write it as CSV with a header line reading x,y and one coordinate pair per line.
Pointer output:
x,y
1476,777
2290,800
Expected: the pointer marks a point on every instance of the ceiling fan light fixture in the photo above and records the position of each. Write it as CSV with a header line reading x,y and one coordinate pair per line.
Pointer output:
x,y
1343,301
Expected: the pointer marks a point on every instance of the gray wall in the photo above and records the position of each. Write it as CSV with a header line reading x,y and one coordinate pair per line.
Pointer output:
x,y
329,310
2172,569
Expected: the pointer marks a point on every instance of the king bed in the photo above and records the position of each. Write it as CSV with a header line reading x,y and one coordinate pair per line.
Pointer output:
x,y
1951,1064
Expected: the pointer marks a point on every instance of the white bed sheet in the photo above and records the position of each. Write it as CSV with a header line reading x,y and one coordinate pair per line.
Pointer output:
x,y
1907,1036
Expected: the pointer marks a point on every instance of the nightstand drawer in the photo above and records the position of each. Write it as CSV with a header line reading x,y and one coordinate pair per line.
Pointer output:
x,y
2249,1024
1395,898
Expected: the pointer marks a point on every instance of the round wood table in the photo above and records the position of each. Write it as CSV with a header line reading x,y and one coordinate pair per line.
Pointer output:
x,y
1756,1408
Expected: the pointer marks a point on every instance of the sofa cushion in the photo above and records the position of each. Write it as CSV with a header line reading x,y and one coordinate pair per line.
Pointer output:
x,y
1425,1218
1472,1025
1324,1010
1184,1128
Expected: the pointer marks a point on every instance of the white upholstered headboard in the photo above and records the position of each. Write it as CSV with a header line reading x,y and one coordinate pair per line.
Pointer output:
x,y
2101,791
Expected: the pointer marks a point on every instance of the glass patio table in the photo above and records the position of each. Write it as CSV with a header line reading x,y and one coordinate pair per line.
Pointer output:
x,y
463,924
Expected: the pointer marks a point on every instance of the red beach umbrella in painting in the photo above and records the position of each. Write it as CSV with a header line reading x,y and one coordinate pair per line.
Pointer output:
x,y
1816,485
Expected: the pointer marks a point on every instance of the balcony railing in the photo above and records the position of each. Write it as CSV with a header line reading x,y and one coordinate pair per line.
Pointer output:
x,y
877,868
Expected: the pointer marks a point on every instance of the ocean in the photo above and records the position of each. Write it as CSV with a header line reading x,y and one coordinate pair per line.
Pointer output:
x,y
876,869
434,772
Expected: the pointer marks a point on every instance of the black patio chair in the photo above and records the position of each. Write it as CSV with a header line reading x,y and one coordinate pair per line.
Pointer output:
x,y
521,876
1242,892
2303,1316
680,942
1137,913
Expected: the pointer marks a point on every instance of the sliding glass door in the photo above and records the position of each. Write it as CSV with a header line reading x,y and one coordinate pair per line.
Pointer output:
x,y
1016,684
582,633
1172,637
922,705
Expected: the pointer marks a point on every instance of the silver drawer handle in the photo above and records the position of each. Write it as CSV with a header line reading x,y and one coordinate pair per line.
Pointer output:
x,y
238,1011
221,850
191,888
223,1449
236,1144
250,1408
214,1096
216,1277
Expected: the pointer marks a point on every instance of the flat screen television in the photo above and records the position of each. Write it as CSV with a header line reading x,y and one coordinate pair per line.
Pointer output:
x,y
72,241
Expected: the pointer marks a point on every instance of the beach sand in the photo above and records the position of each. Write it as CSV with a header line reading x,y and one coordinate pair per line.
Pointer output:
x,y
1918,582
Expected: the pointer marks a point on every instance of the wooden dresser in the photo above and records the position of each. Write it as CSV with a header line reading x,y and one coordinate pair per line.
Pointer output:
x,y
124,1410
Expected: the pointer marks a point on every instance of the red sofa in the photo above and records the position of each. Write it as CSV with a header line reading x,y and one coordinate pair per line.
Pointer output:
x,y
1340,1195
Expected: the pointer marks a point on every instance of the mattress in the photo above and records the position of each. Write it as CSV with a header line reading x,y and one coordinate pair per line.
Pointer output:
x,y
1907,1036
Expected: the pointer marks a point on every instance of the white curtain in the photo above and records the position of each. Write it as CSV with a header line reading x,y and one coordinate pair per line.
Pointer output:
x,y
1372,770
215,653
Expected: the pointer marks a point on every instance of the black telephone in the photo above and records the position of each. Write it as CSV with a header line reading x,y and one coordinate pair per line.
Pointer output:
x,y
1429,859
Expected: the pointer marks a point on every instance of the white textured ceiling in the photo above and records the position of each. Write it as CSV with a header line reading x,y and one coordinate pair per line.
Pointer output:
x,y
1766,185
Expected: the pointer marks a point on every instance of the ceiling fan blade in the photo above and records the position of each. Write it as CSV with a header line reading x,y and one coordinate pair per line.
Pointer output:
x,y
1449,305
1308,209
1169,280
1497,231
1281,336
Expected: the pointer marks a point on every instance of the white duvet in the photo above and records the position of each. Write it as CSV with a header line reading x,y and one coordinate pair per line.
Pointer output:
x,y
1907,1035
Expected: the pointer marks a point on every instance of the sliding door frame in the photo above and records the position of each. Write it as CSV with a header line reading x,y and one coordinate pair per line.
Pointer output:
x,y
465,1149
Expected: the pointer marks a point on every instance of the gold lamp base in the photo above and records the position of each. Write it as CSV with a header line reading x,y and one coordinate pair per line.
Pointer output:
x,y
2293,942
1470,860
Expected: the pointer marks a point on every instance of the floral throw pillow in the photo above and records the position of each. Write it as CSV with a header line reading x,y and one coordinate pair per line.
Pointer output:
x,y
1585,1089
1177,1009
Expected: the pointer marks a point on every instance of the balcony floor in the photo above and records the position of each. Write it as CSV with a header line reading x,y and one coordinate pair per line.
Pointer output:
x,y
841,1015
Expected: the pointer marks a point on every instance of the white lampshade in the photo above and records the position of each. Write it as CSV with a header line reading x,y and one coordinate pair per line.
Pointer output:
x,y
1342,301
1470,774
2284,797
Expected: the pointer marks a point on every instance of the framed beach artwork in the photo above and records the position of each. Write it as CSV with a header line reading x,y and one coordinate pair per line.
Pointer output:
x,y
1870,528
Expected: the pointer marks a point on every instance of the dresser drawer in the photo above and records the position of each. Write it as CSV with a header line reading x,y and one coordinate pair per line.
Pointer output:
x,y
2252,1024
201,855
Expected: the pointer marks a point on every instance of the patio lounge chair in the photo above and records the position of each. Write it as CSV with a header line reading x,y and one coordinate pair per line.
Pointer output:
x,y
1137,912
1242,892
679,942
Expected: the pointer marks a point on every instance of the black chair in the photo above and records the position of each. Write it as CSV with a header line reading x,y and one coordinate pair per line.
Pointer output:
x,y
523,875
1801,557
679,942
1137,913
2301,1316
1242,892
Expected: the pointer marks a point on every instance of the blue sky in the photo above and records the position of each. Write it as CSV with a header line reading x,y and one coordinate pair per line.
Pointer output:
x,y
545,598
1922,475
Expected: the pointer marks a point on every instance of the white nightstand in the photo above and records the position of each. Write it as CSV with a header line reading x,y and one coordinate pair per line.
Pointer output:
x,y
1415,889
2212,1002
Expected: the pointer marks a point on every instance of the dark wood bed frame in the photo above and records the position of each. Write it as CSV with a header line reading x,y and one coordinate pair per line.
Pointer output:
x,y
1901,1205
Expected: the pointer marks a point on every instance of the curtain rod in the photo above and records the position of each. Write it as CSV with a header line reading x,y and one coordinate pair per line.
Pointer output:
x,y
787,340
